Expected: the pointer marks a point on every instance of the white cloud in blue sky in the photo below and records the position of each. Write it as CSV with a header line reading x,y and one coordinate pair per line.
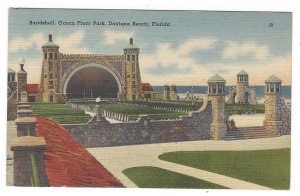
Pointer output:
x,y
195,46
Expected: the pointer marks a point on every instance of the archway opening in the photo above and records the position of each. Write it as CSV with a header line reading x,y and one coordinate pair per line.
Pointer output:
x,y
247,96
234,98
92,82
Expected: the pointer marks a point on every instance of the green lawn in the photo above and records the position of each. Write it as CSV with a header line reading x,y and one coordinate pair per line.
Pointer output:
x,y
59,113
153,177
269,168
239,108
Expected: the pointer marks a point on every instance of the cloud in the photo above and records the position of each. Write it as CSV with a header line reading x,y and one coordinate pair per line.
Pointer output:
x,y
178,59
111,37
22,44
196,44
69,44
72,43
235,50
186,70
198,75
167,55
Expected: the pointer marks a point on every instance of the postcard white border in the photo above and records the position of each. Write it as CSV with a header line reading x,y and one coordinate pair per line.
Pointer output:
x,y
218,5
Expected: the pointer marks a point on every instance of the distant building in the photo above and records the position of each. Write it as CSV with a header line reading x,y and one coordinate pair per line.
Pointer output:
x,y
11,81
170,92
11,95
147,91
242,93
32,92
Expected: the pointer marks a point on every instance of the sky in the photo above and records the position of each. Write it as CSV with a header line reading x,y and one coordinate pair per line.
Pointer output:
x,y
195,46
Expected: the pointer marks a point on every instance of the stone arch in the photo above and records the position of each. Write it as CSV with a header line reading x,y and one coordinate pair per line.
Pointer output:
x,y
69,76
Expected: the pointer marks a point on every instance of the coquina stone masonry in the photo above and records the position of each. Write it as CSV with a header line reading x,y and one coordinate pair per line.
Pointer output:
x,y
28,150
277,114
195,126
216,93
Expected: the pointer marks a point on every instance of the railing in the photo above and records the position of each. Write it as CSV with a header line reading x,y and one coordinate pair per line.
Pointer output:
x,y
35,178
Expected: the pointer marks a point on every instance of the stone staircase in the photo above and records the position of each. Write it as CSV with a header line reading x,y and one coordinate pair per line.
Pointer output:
x,y
249,133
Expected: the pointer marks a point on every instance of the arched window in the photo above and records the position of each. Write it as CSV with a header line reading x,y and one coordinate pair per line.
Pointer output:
x,y
220,88
272,89
277,88
214,89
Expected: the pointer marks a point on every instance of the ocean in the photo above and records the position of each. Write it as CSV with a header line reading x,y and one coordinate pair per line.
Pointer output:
x,y
260,90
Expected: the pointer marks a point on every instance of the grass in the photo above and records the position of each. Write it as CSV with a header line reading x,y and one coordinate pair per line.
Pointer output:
x,y
239,108
154,177
269,168
59,113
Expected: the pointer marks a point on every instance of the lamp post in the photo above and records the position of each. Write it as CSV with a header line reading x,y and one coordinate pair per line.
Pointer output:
x,y
98,108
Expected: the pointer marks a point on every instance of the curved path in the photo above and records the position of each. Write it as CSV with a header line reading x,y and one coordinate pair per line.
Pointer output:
x,y
117,159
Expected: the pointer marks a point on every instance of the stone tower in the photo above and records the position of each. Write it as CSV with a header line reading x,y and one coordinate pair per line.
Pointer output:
x,y
273,122
50,71
22,79
242,83
173,92
132,70
216,93
166,92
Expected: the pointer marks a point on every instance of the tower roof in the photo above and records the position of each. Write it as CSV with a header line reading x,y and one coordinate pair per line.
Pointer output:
x,y
11,71
131,45
216,78
242,72
273,79
50,43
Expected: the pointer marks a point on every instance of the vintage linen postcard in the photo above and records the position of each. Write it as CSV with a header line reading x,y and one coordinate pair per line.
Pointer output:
x,y
149,99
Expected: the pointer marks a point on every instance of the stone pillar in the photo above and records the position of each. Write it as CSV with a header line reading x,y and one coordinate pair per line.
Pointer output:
x,y
25,126
24,113
29,161
216,93
23,107
98,112
242,83
22,80
273,122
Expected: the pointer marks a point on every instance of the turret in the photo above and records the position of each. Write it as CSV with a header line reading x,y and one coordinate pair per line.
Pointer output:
x,y
242,84
273,122
216,93
166,92
132,70
50,71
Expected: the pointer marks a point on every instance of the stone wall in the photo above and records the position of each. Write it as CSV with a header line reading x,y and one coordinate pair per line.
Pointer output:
x,y
278,115
195,126
285,116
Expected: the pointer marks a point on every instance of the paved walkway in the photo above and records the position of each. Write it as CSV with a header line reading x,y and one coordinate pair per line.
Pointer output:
x,y
11,133
248,120
117,159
